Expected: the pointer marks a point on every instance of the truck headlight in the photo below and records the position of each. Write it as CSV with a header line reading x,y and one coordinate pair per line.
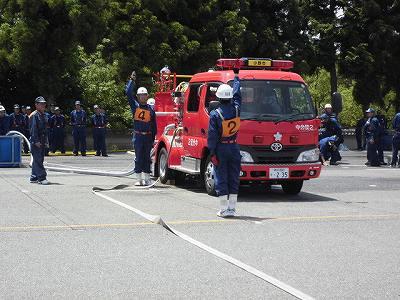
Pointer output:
x,y
309,155
246,157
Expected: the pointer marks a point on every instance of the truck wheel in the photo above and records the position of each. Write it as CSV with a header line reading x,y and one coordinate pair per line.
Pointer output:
x,y
292,187
163,171
208,177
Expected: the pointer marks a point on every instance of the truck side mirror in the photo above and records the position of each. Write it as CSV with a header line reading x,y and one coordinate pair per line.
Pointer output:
x,y
337,102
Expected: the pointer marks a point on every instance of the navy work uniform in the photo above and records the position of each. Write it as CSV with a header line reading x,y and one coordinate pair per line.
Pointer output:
x,y
145,129
382,133
396,140
57,125
331,127
4,121
99,123
27,133
223,129
359,134
372,133
327,147
38,139
49,133
18,123
78,123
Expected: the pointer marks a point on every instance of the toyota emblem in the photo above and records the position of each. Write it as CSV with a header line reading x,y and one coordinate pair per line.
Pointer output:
x,y
276,147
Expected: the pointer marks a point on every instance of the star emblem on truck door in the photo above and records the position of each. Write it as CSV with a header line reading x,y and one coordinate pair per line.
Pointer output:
x,y
278,137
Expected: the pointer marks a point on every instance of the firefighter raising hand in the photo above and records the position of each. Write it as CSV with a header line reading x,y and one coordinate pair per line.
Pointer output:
x,y
225,155
145,129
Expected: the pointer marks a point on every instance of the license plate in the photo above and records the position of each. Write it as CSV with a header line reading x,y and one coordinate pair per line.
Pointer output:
x,y
259,63
278,173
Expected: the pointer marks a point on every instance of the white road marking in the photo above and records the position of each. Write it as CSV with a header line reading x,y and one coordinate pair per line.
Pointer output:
x,y
158,220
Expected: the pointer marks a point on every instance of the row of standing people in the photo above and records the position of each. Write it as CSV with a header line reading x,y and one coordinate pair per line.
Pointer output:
x,y
56,122
374,132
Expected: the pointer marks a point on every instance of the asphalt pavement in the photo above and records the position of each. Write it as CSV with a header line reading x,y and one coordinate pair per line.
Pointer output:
x,y
338,239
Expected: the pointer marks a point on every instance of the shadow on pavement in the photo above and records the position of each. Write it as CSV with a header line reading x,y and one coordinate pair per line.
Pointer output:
x,y
276,195
249,218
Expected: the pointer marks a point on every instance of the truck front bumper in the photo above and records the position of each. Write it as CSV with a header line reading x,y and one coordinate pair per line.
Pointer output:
x,y
277,172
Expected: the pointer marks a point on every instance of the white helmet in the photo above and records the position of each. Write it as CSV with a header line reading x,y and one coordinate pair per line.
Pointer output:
x,y
224,92
2,108
142,91
328,106
151,101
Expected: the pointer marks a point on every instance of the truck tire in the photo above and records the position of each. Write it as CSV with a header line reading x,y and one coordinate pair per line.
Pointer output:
x,y
292,187
164,172
208,177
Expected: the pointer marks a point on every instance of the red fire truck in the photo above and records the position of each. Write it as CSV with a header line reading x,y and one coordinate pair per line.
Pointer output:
x,y
278,134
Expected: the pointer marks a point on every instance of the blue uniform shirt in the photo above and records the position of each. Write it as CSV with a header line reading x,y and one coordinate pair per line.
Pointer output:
x,y
78,118
18,121
325,148
144,115
38,128
228,111
372,129
99,120
4,124
330,128
57,121
396,122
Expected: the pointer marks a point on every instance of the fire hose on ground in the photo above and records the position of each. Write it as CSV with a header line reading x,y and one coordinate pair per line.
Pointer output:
x,y
82,171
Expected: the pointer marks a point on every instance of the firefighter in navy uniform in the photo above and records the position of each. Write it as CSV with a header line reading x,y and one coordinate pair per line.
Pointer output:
x,y
18,123
383,131
331,127
372,134
57,125
396,140
4,121
99,122
78,121
225,154
39,141
145,129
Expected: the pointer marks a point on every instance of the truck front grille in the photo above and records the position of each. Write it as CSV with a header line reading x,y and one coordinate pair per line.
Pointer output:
x,y
265,155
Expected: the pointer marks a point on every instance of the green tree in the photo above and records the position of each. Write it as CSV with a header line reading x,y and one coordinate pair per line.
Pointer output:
x,y
38,40
98,81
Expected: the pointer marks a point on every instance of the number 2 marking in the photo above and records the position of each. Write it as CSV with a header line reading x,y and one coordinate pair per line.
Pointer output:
x,y
232,127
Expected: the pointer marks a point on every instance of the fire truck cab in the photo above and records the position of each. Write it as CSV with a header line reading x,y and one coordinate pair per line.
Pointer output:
x,y
278,135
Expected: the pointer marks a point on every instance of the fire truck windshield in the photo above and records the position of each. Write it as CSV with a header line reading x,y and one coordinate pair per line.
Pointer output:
x,y
274,100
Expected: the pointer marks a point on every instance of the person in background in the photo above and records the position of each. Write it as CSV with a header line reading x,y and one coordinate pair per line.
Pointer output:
x,y
4,121
18,123
151,102
396,141
328,110
78,121
38,140
99,123
331,127
360,134
372,134
383,131
57,125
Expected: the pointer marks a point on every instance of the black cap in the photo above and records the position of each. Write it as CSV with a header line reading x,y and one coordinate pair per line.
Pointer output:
x,y
16,106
